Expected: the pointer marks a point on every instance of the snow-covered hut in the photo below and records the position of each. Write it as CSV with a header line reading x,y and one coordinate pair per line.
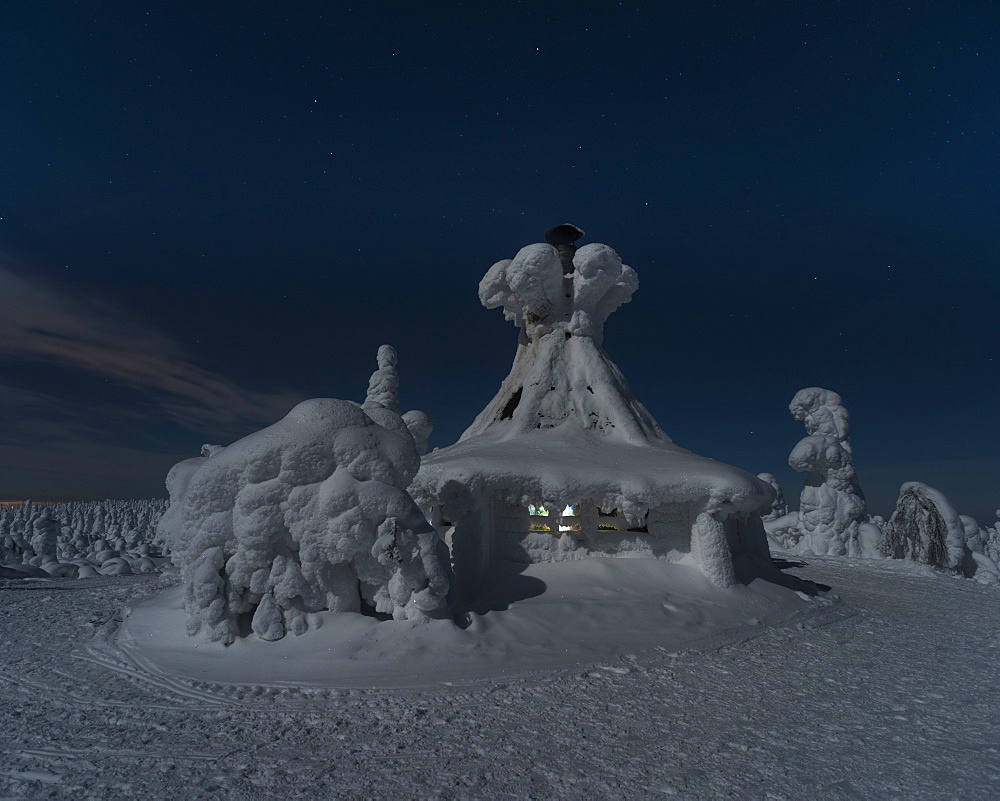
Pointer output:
x,y
564,463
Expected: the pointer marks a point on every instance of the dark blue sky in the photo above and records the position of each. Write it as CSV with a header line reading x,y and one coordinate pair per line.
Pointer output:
x,y
210,211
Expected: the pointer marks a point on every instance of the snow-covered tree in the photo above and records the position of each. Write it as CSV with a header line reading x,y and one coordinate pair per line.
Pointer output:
x,y
925,528
26,538
988,546
832,505
991,540
309,514
8,548
45,536
420,427
869,544
778,507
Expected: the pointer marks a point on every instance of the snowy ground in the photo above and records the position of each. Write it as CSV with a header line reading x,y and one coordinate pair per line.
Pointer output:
x,y
533,619
895,693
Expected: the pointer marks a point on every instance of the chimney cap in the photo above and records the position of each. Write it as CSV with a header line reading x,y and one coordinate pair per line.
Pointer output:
x,y
565,234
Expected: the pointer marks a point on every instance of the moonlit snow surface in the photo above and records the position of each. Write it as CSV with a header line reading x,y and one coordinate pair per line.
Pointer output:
x,y
891,694
533,617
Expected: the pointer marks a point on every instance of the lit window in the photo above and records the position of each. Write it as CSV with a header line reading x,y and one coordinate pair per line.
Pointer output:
x,y
565,524
538,525
566,520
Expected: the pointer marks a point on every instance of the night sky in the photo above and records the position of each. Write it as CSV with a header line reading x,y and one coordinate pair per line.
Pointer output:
x,y
213,210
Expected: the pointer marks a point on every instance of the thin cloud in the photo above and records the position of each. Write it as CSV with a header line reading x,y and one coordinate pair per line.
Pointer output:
x,y
41,325
69,472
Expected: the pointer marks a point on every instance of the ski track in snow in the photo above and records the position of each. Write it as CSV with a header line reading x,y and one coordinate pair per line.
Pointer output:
x,y
900,699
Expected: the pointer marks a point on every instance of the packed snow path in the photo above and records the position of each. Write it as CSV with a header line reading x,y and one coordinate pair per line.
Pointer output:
x,y
899,700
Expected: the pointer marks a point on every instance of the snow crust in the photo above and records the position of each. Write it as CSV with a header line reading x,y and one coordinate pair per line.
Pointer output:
x,y
832,505
306,515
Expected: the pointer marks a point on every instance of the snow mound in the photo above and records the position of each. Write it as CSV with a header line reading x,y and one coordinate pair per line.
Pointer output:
x,y
306,515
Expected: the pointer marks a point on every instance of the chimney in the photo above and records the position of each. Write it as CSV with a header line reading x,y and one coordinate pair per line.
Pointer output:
x,y
562,238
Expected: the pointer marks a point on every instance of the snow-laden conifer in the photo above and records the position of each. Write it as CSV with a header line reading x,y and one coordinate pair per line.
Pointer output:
x,y
45,536
832,505
306,515
778,507
925,528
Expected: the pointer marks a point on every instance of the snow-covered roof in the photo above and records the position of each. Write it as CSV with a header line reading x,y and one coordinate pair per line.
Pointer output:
x,y
567,466
565,425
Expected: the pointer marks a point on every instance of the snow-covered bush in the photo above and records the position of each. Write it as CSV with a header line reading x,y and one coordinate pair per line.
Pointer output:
x,y
832,505
306,515
925,528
